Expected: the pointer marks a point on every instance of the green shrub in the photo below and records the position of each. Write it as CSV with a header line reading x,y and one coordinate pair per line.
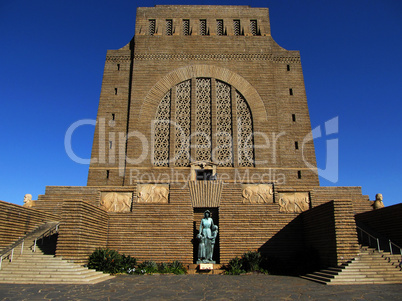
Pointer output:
x,y
110,261
234,267
251,261
176,267
128,264
105,260
163,267
147,267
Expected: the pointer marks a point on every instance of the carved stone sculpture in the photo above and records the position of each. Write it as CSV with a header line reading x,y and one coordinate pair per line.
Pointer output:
x,y
116,202
153,193
28,202
293,202
378,204
257,194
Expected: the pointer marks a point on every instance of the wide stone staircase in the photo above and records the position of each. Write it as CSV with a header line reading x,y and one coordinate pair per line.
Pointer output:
x,y
369,267
34,267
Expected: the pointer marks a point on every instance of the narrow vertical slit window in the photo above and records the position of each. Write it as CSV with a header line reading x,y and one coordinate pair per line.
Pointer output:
x,y
186,27
203,27
169,27
118,67
296,145
107,174
110,144
290,91
288,67
219,28
293,117
113,116
253,27
115,91
236,27
299,174
151,27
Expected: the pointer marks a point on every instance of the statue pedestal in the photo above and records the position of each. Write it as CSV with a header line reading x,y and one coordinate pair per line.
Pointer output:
x,y
206,266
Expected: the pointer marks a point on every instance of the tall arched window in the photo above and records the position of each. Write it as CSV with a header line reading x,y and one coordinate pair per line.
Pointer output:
x,y
203,119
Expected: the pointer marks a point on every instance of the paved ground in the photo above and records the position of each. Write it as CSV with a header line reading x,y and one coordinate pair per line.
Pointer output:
x,y
202,287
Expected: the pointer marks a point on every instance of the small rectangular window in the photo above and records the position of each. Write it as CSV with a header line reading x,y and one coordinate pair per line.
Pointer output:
x,y
253,27
288,67
169,27
293,117
115,91
296,145
107,174
219,28
290,91
118,67
186,27
204,174
299,174
151,27
203,27
113,116
236,27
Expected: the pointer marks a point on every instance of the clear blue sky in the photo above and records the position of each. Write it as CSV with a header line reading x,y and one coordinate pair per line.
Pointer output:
x,y
51,64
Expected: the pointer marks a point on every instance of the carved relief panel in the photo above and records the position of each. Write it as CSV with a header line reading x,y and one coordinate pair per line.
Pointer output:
x,y
153,193
116,201
293,202
257,194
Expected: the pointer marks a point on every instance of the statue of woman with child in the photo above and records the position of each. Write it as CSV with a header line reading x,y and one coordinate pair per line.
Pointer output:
x,y
206,236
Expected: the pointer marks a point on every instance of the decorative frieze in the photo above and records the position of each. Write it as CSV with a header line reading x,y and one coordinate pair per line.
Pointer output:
x,y
293,202
119,58
257,194
218,57
116,201
153,193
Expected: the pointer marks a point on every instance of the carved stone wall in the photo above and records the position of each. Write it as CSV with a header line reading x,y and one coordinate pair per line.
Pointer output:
x,y
293,202
205,193
257,194
153,193
116,201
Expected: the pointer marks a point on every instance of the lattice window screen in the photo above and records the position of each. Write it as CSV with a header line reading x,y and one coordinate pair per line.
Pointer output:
x,y
186,27
253,27
219,28
162,132
244,132
183,121
203,27
203,119
236,27
169,27
224,152
151,27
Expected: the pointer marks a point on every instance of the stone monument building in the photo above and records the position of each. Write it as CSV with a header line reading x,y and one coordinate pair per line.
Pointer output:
x,y
202,109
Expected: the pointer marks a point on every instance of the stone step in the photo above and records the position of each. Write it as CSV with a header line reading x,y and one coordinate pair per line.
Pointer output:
x,y
314,279
39,269
33,280
370,267
48,272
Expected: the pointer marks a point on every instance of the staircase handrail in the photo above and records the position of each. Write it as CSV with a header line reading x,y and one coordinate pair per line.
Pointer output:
x,y
20,241
378,241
